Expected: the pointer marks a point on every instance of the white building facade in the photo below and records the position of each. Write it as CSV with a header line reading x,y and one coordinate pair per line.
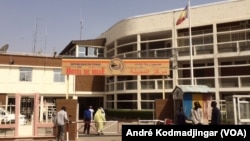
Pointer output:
x,y
220,44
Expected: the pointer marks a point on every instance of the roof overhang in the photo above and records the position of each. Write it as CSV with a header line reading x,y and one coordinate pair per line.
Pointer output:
x,y
180,90
93,42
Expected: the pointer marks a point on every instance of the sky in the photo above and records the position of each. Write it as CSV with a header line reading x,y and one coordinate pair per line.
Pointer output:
x,y
50,25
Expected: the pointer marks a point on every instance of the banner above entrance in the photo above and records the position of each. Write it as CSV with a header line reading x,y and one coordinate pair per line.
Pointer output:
x,y
115,66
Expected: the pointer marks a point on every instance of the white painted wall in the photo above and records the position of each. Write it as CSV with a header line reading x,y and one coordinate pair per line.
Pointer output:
x,y
42,81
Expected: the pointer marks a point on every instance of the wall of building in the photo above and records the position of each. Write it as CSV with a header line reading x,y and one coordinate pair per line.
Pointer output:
x,y
90,83
200,15
220,44
42,75
72,112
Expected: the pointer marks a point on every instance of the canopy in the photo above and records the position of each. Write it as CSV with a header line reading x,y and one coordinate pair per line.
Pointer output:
x,y
180,90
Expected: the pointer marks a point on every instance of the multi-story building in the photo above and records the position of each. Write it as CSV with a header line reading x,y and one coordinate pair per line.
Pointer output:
x,y
220,41
27,75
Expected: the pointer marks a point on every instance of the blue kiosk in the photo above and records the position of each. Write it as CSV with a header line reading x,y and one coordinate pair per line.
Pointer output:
x,y
185,95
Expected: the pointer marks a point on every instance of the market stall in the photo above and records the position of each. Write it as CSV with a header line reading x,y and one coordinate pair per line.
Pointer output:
x,y
184,96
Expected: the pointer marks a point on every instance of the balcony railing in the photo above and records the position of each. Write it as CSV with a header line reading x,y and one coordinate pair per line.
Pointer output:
x,y
157,84
184,51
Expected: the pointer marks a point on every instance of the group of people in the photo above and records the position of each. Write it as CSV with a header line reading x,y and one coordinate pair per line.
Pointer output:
x,y
61,118
99,119
197,115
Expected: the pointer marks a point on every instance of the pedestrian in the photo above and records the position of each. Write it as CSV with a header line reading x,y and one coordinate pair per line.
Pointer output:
x,y
87,120
102,111
181,117
216,115
100,120
92,112
197,114
60,119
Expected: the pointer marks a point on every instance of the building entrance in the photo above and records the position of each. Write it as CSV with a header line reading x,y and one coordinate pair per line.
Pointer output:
x,y
95,102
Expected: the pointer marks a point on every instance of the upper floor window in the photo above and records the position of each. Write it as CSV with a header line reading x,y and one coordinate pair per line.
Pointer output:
x,y
58,76
82,52
92,52
25,74
89,51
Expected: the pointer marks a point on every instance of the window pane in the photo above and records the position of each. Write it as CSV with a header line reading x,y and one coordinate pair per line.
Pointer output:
x,y
25,74
82,52
58,76
91,52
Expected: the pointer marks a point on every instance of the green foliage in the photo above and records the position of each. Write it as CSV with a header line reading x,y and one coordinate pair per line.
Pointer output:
x,y
128,114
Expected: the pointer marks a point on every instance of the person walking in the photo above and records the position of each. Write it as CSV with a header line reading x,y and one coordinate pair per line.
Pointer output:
x,y
197,114
216,115
87,120
92,112
60,119
100,120
181,117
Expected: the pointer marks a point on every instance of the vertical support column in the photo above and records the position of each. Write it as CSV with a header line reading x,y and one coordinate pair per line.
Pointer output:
x,y
115,100
36,115
17,113
139,45
139,76
67,91
235,101
104,101
41,109
216,65
115,92
163,87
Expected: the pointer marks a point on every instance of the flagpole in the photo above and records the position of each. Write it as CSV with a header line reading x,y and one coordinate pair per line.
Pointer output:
x,y
191,48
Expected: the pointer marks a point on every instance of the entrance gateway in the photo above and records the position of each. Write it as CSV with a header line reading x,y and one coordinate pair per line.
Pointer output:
x,y
115,66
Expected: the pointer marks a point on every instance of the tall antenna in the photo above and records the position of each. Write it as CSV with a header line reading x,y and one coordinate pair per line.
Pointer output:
x,y
81,24
81,27
35,35
45,43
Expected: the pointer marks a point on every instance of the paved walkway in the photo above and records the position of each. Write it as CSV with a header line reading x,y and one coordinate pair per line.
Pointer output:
x,y
112,132
80,138
99,138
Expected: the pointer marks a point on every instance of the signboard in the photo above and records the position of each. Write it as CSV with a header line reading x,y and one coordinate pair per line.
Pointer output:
x,y
115,66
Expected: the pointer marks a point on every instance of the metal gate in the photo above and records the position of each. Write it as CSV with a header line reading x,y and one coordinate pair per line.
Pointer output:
x,y
28,106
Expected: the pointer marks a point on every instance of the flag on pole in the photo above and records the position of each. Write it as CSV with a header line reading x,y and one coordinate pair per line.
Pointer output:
x,y
183,16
